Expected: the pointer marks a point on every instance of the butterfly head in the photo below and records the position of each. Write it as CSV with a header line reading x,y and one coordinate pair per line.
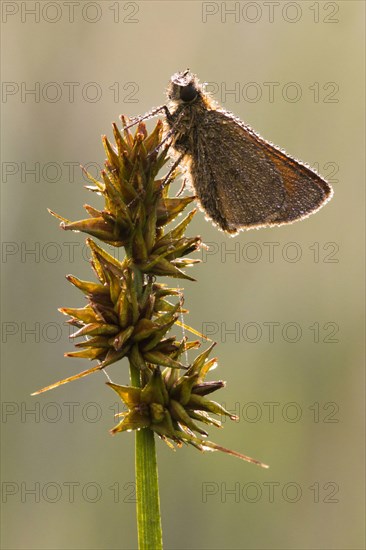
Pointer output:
x,y
184,88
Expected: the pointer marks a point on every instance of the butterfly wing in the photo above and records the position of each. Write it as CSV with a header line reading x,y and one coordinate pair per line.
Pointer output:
x,y
242,181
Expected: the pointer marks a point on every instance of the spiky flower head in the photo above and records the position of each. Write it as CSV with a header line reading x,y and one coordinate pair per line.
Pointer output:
x,y
128,313
171,405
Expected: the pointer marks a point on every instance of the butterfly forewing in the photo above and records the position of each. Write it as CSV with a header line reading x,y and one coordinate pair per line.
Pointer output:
x,y
253,184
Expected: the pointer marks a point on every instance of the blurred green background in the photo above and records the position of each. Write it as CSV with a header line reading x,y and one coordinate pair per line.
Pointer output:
x,y
300,394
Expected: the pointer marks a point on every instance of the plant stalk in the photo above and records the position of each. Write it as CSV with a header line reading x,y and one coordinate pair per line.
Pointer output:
x,y
147,485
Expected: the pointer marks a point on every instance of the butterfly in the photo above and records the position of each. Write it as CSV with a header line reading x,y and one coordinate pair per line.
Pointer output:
x,y
241,180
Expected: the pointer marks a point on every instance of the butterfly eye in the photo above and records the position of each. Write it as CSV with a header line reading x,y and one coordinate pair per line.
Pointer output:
x,y
188,93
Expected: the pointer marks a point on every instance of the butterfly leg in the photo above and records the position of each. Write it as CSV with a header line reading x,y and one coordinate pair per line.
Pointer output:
x,y
149,115
167,178
173,125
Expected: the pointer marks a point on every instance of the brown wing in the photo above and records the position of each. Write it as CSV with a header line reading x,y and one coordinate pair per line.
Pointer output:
x,y
242,181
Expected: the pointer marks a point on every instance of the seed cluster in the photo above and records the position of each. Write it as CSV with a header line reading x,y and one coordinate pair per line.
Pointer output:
x,y
128,313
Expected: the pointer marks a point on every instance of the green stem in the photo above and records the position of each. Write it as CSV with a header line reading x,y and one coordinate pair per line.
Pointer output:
x,y
147,485
147,490
150,536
